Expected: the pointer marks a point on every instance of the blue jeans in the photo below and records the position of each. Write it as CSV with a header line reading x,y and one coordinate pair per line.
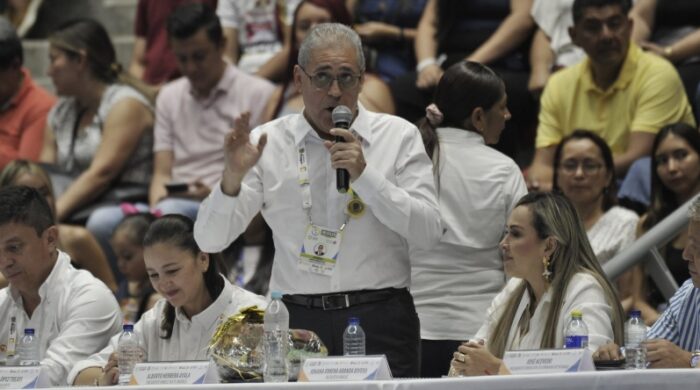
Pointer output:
x,y
104,220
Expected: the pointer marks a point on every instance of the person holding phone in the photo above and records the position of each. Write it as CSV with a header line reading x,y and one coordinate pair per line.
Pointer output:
x,y
193,114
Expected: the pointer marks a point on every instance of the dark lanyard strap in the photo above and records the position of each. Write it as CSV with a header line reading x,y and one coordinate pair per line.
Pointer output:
x,y
74,135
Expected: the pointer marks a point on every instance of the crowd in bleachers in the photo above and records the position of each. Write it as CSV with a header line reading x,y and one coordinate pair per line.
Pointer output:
x,y
594,100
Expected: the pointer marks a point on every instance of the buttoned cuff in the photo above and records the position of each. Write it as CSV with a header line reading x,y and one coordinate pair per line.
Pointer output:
x,y
225,204
369,184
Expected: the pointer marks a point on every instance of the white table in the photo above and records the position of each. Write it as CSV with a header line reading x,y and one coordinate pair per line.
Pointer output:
x,y
677,379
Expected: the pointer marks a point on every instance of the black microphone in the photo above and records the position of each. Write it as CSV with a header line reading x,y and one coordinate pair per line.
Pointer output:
x,y
342,117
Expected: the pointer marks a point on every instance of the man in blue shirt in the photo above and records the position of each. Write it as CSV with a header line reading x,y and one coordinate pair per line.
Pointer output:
x,y
674,340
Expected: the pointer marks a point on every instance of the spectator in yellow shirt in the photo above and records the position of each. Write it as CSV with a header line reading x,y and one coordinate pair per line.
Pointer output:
x,y
620,92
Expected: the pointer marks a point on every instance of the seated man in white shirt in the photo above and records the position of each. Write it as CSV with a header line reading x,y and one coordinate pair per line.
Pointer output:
x,y
73,313
364,270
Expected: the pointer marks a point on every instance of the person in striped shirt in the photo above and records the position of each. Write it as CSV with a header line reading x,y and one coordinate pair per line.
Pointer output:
x,y
674,340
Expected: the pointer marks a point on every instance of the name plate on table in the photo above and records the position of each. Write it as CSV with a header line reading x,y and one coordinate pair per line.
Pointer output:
x,y
23,377
174,373
548,361
345,368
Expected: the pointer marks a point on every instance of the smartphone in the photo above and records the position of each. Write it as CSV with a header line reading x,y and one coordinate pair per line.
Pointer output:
x,y
605,365
176,188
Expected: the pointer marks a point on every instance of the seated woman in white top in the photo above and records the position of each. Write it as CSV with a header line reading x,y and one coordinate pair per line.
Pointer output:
x,y
196,300
554,271
585,173
478,187
101,126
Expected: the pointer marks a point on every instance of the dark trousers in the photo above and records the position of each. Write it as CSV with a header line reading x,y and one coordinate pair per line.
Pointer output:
x,y
436,356
391,328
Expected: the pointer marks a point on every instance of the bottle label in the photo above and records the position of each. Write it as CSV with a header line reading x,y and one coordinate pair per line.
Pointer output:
x,y
576,341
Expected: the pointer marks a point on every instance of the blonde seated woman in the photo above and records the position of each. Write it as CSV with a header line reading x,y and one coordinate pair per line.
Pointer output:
x,y
553,271
78,242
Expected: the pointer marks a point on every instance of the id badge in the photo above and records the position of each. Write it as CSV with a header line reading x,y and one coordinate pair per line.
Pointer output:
x,y
319,253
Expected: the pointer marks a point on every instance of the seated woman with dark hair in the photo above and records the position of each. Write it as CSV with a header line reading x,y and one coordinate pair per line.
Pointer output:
x,y
585,173
101,127
675,178
553,271
195,295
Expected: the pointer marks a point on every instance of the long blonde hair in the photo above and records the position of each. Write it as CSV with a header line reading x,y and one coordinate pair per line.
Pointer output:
x,y
554,216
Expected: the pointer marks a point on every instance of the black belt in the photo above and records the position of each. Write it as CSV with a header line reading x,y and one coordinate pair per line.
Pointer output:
x,y
342,300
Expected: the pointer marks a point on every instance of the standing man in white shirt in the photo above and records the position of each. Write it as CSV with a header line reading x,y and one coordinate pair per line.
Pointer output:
x,y
73,313
287,169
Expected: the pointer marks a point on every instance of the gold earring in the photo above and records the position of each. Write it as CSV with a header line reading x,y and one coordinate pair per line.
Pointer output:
x,y
547,274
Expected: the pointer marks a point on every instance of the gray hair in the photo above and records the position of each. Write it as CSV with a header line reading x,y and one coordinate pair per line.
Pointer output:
x,y
695,209
327,35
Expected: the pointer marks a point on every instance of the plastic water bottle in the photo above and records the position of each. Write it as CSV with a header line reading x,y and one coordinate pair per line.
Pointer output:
x,y
276,340
29,349
635,336
576,332
354,338
129,353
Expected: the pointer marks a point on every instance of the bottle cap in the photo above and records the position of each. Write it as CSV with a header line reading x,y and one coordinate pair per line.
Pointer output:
x,y
276,295
28,330
128,327
576,313
353,321
635,313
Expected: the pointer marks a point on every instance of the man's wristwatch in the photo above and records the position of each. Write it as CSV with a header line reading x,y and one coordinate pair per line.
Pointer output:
x,y
695,358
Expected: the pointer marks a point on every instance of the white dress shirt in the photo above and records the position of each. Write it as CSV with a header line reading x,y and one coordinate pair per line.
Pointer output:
x,y
190,337
613,232
75,318
583,293
453,283
396,187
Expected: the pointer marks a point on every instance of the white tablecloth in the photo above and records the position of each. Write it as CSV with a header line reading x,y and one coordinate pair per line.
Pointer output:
x,y
677,379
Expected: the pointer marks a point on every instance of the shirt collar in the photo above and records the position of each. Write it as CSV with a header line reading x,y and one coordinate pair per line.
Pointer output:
x,y
23,90
221,88
455,135
211,314
54,278
360,126
542,305
629,68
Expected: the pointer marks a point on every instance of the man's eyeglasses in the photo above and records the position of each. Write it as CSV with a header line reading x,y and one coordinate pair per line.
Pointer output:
x,y
323,80
588,167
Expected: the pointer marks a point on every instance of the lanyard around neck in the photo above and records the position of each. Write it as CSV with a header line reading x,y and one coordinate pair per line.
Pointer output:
x,y
305,183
